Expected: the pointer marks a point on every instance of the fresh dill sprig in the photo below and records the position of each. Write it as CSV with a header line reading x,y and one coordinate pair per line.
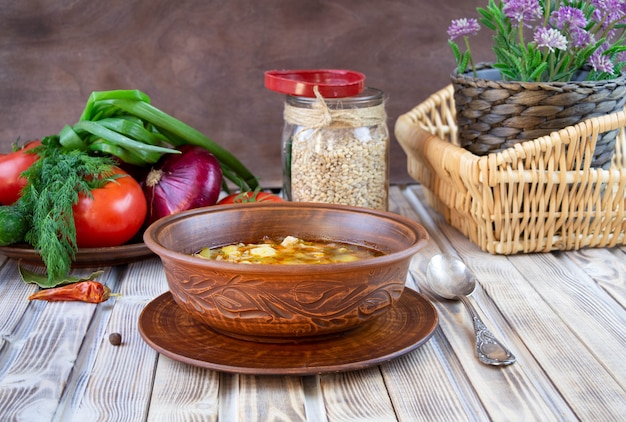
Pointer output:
x,y
55,182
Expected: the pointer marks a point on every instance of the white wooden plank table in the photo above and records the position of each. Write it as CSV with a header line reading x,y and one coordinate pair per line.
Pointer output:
x,y
562,314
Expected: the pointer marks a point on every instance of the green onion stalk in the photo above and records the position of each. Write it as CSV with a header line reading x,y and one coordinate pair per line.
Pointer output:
x,y
124,124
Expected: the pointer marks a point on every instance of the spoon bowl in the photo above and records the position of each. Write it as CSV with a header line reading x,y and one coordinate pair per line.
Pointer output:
x,y
447,276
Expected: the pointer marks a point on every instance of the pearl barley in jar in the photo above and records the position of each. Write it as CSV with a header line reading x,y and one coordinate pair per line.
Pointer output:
x,y
336,150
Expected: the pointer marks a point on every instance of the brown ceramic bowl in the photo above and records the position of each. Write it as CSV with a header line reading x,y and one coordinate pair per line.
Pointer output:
x,y
285,303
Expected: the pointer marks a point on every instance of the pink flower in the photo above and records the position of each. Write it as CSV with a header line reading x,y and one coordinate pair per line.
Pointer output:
x,y
522,11
550,38
568,17
463,27
601,63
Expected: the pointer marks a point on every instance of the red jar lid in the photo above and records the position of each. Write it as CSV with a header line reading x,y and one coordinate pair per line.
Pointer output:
x,y
331,83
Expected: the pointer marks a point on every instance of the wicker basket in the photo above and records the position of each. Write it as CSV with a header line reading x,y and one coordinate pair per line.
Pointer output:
x,y
538,196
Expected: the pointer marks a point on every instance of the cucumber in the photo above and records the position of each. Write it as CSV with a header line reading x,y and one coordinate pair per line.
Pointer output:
x,y
13,225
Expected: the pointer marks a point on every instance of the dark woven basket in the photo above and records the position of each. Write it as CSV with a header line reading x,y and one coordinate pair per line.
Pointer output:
x,y
493,115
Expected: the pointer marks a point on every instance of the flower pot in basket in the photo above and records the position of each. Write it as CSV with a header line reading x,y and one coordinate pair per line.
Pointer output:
x,y
493,114
556,64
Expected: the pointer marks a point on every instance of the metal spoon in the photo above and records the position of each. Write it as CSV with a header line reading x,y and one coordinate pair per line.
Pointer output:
x,y
449,278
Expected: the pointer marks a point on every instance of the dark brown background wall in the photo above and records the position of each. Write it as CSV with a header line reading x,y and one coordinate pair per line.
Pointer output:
x,y
203,61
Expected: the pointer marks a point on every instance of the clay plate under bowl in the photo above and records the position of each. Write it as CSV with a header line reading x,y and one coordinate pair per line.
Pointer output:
x,y
173,332
285,303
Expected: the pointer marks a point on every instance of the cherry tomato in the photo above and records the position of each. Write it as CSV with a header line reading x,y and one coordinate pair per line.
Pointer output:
x,y
11,167
248,197
114,214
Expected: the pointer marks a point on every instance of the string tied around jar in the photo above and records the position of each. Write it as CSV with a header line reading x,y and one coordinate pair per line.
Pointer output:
x,y
320,115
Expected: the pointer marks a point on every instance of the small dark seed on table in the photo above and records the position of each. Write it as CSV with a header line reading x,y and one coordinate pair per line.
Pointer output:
x,y
115,339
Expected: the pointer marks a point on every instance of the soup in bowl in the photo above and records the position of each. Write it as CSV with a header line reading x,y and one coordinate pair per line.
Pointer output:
x,y
285,301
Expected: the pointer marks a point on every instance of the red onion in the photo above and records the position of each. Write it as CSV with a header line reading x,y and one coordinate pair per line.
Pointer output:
x,y
183,181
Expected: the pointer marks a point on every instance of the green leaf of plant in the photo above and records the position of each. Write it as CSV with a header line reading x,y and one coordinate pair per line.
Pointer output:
x,y
97,100
538,71
44,282
70,139
455,51
135,157
133,128
166,123
464,62
117,138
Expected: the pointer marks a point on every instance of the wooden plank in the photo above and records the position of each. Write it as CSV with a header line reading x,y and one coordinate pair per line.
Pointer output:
x,y
13,307
574,297
357,395
183,392
41,357
313,399
605,267
270,398
228,396
589,388
430,383
237,403
552,326
119,385
88,352
523,391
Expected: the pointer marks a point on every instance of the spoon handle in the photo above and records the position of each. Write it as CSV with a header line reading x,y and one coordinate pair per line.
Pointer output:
x,y
489,350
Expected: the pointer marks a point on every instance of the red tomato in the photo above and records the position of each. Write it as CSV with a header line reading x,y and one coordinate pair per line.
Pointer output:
x,y
11,167
248,197
114,214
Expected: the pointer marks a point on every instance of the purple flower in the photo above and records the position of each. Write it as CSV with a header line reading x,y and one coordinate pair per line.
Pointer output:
x,y
522,11
550,38
608,11
566,34
568,17
580,38
463,27
601,63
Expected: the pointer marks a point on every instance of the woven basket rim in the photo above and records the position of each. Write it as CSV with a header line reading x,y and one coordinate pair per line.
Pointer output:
x,y
523,150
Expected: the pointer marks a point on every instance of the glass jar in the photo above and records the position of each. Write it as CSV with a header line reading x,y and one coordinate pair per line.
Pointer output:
x,y
336,150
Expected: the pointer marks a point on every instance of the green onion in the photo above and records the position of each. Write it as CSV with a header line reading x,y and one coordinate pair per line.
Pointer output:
x,y
124,123
134,128
134,157
163,121
96,128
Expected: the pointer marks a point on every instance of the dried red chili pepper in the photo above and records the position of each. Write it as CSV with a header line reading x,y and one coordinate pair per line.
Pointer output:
x,y
84,291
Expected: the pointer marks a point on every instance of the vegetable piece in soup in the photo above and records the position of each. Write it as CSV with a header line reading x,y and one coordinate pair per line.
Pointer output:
x,y
289,251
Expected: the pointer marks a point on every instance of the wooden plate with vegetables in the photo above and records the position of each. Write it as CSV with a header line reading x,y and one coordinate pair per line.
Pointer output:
x,y
82,197
85,257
